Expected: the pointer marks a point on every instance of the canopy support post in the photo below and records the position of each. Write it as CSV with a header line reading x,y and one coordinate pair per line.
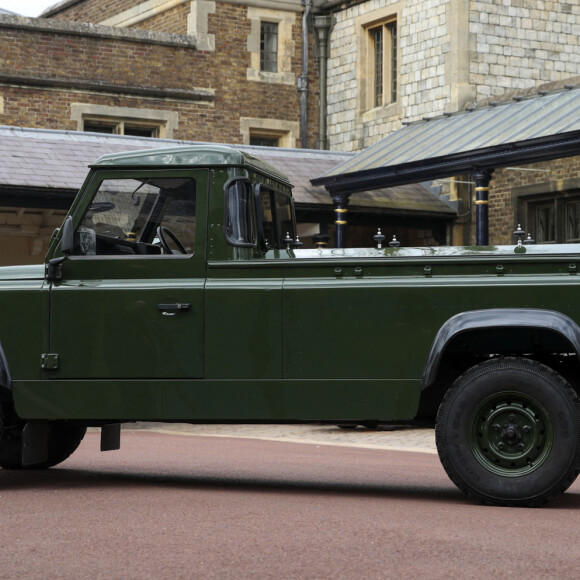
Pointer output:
x,y
482,178
340,201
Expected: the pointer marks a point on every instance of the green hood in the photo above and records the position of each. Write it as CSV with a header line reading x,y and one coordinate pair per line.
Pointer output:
x,y
32,272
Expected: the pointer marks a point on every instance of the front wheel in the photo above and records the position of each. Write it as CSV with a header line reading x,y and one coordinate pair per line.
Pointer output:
x,y
508,433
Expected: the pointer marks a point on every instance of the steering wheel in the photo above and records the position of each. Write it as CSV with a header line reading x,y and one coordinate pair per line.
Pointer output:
x,y
162,232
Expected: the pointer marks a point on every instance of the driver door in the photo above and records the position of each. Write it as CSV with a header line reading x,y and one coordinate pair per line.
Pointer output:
x,y
130,301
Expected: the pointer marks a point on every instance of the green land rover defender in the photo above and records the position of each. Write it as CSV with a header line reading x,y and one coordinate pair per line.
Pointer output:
x,y
176,291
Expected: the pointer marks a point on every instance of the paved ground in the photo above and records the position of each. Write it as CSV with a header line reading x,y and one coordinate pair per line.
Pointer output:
x,y
217,508
403,438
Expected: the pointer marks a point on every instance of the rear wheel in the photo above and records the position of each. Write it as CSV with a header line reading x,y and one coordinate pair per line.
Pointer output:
x,y
508,433
63,439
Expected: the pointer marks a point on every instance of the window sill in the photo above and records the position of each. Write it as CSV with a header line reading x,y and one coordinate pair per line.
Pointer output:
x,y
282,78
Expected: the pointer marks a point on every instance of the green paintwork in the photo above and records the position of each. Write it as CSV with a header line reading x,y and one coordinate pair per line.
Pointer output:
x,y
200,156
286,335
217,400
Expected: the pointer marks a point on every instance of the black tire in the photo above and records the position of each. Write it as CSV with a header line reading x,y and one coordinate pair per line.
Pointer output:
x,y
64,437
508,433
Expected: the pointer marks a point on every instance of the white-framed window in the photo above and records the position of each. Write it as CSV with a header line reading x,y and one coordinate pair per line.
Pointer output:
x,y
261,140
124,120
383,62
271,45
377,63
121,127
269,132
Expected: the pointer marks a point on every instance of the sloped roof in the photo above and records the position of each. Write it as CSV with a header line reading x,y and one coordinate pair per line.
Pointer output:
x,y
58,160
524,130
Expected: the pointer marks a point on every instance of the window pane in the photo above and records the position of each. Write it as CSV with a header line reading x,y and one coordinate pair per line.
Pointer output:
x,y
545,223
99,128
269,46
276,217
267,217
240,221
377,35
264,141
573,222
392,29
125,214
140,131
284,218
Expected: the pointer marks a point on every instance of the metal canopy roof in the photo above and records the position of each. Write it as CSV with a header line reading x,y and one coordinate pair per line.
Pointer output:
x,y
525,130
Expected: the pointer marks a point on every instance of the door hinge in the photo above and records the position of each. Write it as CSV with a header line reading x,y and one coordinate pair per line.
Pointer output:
x,y
49,361
53,270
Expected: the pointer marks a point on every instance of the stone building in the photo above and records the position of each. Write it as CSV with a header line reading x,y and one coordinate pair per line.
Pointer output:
x,y
231,72
172,69
336,74
393,62
434,57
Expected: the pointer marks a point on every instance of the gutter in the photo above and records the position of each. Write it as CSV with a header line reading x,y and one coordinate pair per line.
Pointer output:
x,y
322,25
303,79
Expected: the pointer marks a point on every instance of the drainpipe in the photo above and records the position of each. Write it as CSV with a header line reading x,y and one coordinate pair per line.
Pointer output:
x,y
303,78
322,25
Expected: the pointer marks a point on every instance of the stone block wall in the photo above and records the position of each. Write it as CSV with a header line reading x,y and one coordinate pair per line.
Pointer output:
x,y
423,45
452,53
518,44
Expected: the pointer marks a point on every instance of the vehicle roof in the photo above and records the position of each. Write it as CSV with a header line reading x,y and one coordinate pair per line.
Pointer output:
x,y
192,155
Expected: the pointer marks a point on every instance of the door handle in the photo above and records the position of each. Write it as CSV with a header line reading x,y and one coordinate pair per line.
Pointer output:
x,y
172,309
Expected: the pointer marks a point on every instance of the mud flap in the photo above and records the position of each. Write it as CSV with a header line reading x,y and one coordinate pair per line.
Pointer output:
x,y
111,437
35,443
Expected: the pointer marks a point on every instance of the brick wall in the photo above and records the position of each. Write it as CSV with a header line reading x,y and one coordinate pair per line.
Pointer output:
x,y
93,11
174,20
53,64
552,177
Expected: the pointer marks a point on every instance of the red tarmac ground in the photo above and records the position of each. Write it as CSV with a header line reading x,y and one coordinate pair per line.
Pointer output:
x,y
174,506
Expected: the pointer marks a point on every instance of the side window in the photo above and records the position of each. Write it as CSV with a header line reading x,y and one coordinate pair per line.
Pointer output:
x,y
284,216
276,217
240,219
129,217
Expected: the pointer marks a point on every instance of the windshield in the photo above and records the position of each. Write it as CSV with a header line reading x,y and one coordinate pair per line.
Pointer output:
x,y
139,216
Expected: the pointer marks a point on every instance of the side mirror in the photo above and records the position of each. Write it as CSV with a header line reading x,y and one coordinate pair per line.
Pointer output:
x,y
67,240
54,266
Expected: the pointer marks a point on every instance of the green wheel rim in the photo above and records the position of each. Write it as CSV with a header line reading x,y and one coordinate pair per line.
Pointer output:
x,y
510,434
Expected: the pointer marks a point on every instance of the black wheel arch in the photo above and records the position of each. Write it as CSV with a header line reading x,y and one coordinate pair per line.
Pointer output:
x,y
462,338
